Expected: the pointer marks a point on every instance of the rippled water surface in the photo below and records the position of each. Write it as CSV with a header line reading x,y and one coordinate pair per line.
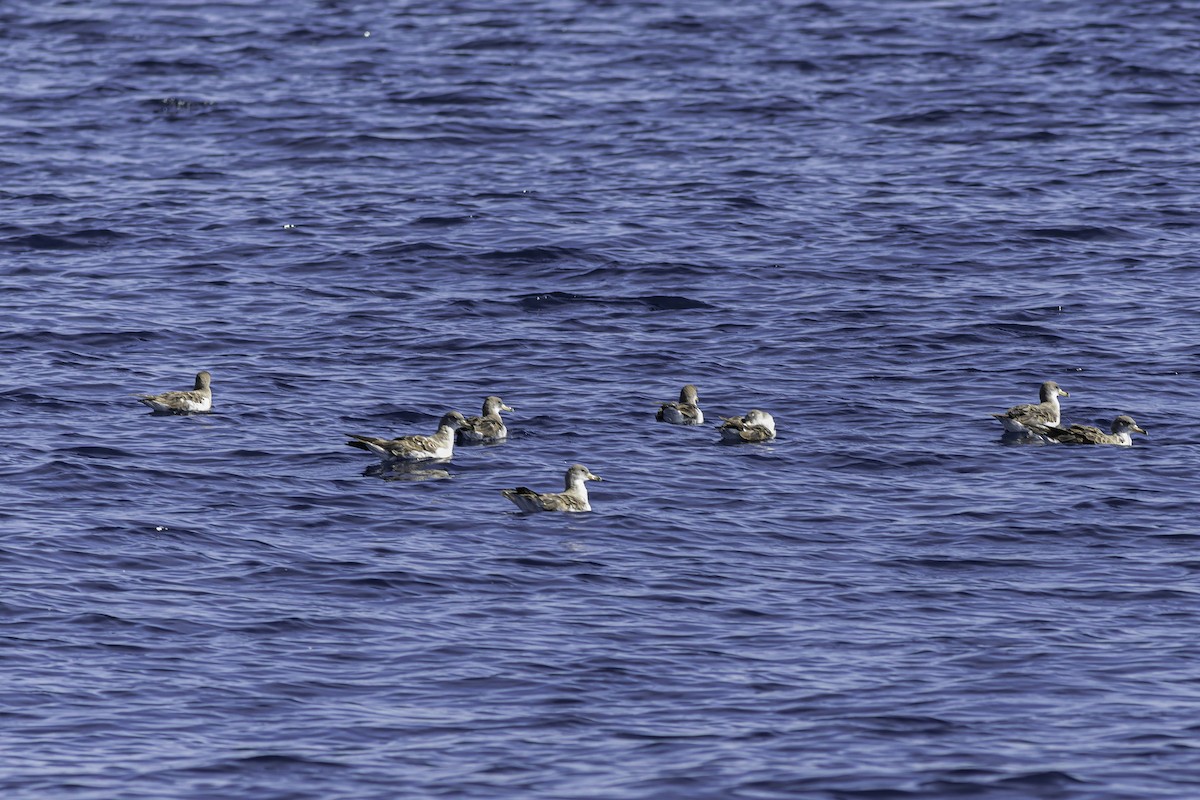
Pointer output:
x,y
880,221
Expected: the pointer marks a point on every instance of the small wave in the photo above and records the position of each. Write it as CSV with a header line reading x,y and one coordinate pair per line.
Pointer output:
x,y
97,339
199,174
495,43
79,27
20,396
158,66
667,302
265,762
936,116
1020,331
533,255
549,300
797,64
682,24
1082,233
455,98
1024,39
1042,780
76,240
904,723
1031,136
440,222
411,249
97,451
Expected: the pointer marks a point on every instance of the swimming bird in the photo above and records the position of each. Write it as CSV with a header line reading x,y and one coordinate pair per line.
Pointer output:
x,y
487,428
1122,430
574,498
756,426
438,447
1020,419
685,412
198,399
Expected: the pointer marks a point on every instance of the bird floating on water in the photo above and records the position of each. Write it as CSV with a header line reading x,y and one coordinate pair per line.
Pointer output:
x,y
199,399
1022,419
487,428
574,498
437,447
755,426
1122,429
685,412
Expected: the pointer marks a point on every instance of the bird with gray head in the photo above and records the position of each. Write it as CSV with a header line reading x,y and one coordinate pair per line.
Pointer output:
x,y
1123,428
574,498
487,428
685,412
755,426
437,447
198,399
1020,419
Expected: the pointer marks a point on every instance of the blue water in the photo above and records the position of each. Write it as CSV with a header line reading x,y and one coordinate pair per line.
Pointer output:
x,y
880,221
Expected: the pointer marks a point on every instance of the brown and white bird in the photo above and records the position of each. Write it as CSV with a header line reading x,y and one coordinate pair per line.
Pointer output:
x,y
487,428
756,426
1022,418
437,447
1123,428
199,399
574,498
685,412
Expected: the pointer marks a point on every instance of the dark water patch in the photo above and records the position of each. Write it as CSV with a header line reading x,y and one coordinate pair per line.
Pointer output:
x,y
92,339
1031,136
494,43
1020,331
75,240
551,300
672,303
158,66
412,249
441,221
1169,105
937,116
797,64
1041,780
1030,39
456,98
199,175
97,452
265,764
536,255
1083,233
966,564
87,30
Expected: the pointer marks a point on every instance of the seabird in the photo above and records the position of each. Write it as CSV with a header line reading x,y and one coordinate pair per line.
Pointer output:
x,y
574,498
487,428
438,447
198,399
1021,419
1122,428
685,412
756,426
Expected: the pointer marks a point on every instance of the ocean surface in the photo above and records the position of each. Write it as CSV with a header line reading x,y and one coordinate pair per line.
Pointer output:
x,y
880,221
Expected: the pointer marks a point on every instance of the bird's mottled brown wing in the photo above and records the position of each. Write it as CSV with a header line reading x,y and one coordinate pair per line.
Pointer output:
x,y
1084,434
755,433
486,427
1076,434
1030,412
